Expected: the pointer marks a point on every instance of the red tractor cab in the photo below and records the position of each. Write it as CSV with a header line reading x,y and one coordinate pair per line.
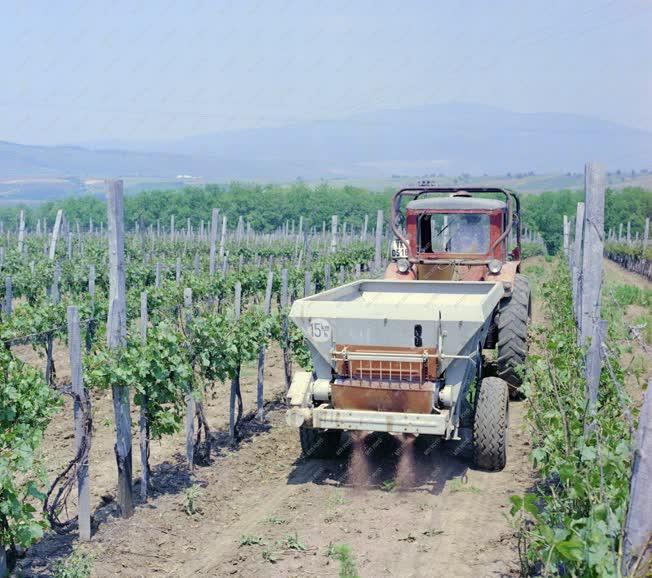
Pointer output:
x,y
456,234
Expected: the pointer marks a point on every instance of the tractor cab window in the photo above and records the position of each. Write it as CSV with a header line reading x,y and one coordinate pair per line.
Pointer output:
x,y
454,233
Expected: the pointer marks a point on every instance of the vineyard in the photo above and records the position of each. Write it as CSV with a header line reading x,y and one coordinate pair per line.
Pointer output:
x,y
200,304
142,397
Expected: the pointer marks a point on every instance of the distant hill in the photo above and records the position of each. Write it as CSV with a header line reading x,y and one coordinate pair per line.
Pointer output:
x,y
446,139
17,160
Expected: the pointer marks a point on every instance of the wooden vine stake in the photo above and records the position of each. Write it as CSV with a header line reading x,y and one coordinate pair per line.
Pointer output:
x,y
285,329
90,329
379,240
143,421
116,332
83,489
267,307
235,379
191,405
8,297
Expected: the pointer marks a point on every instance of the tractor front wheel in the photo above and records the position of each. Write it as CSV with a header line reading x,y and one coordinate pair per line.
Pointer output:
x,y
513,319
319,443
491,424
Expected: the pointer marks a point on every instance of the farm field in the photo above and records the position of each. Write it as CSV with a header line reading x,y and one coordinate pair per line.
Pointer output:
x,y
262,510
292,509
251,505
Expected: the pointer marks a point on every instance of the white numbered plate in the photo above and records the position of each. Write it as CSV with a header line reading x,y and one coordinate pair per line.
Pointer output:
x,y
399,250
319,330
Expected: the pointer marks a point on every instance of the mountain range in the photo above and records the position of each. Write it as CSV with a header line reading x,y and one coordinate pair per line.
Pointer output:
x,y
449,139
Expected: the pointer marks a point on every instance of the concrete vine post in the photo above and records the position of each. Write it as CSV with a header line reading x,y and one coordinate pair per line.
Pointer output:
x,y
21,232
307,282
333,233
593,249
223,237
637,545
55,234
116,333
327,276
576,269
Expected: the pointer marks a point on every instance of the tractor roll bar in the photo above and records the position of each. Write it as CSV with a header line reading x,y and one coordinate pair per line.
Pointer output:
x,y
416,192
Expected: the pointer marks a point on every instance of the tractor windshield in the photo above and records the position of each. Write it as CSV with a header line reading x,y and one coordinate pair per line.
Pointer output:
x,y
454,233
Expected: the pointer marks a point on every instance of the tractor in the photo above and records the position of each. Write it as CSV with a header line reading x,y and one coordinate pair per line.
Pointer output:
x,y
400,355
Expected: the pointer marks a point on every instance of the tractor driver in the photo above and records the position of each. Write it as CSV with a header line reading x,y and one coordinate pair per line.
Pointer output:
x,y
471,234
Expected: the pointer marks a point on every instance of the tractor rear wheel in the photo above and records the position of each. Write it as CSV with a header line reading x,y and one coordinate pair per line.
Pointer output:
x,y
490,425
319,443
513,319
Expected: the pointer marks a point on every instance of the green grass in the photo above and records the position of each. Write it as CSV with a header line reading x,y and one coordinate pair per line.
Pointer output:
x,y
191,500
343,553
78,565
291,542
626,295
459,485
247,540
388,486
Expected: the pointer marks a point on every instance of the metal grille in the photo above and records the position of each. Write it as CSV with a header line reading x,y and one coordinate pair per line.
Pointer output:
x,y
390,367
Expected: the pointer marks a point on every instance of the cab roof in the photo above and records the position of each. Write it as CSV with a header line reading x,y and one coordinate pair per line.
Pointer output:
x,y
456,203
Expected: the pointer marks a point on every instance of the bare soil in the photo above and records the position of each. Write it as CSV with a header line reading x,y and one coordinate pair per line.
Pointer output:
x,y
405,507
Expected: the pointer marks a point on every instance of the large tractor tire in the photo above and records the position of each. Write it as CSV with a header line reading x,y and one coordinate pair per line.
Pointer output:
x,y
513,319
318,443
490,425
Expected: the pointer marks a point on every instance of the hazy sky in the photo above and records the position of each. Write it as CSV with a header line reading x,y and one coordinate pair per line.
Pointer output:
x,y
87,71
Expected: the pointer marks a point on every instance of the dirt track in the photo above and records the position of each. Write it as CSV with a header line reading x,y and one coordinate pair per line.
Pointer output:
x,y
405,510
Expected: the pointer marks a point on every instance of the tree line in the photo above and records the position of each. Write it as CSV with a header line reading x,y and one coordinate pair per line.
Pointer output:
x,y
267,207
545,212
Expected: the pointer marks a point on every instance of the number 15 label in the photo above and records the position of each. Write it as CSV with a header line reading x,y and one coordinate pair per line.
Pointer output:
x,y
320,330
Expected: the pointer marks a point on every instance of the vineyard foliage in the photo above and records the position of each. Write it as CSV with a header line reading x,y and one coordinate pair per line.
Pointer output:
x,y
634,251
26,406
187,350
572,523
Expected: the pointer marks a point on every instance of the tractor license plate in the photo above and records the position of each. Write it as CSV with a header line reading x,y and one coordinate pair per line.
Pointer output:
x,y
399,250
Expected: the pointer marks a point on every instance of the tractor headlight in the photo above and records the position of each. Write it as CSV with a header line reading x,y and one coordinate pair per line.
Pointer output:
x,y
403,265
495,266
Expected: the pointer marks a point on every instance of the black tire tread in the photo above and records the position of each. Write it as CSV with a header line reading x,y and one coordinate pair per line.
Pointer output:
x,y
512,324
319,444
491,424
